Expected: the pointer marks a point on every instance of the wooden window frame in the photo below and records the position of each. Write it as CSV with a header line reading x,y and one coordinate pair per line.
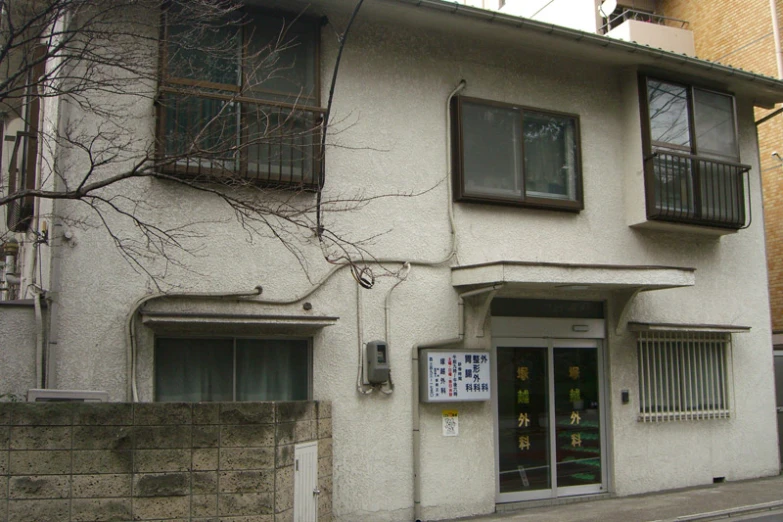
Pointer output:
x,y
173,86
457,148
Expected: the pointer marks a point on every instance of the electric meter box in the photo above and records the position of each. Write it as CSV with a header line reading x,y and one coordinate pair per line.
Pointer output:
x,y
454,375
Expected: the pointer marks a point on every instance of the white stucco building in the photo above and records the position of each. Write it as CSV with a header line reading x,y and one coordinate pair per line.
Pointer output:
x,y
584,211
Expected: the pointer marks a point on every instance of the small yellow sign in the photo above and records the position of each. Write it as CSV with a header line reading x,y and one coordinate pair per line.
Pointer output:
x,y
450,423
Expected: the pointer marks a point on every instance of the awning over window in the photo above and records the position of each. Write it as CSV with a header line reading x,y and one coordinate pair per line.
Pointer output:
x,y
234,324
570,277
670,327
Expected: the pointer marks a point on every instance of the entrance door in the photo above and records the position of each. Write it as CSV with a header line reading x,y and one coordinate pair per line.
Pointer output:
x,y
550,434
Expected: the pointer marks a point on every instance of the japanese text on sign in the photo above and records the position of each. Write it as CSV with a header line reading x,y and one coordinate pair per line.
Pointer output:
x,y
453,376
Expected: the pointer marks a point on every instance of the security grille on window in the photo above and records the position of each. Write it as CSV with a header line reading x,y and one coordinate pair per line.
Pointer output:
x,y
509,154
692,168
200,370
683,376
239,98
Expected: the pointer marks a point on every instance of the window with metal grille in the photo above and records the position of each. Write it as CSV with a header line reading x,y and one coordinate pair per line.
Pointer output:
x,y
683,375
239,97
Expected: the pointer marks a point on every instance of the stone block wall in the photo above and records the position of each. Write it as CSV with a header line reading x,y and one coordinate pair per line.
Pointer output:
x,y
82,462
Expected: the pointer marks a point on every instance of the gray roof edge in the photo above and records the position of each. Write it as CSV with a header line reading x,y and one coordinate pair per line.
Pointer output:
x,y
594,39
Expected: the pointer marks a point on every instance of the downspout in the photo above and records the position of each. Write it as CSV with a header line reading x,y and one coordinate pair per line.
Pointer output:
x,y
776,35
415,392
39,339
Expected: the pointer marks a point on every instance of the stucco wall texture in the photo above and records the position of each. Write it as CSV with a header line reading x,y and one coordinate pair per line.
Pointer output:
x,y
391,138
17,349
739,33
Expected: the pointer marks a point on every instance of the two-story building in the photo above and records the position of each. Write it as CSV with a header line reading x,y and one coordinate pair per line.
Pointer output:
x,y
564,264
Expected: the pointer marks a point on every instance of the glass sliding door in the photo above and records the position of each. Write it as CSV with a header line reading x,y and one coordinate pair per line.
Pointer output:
x,y
523,419
549,418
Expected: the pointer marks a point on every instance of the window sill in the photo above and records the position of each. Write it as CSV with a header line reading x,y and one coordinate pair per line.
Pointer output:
x,y
215,176
684,416
683,228
535,203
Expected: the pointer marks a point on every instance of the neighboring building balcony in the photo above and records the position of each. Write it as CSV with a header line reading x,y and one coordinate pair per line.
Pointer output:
x,y
663,32
696,190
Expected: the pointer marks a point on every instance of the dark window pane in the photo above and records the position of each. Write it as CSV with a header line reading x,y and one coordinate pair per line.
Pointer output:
x,y
669,120
550,156
201,132
715,130
193,370
673,184
492,155
204,50
272,370
281,59
282,144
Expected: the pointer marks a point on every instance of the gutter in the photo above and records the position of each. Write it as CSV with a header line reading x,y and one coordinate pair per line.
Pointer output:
x,y
415,391
582,37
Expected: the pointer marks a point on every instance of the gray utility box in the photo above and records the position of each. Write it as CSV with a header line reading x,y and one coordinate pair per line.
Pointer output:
x,y
454,375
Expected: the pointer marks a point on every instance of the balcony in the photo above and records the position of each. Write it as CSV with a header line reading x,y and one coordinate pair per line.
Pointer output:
x,y
694,190
662,32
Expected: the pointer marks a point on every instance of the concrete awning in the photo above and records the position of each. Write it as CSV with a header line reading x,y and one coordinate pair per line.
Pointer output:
x,y
552,276
217,323
623,281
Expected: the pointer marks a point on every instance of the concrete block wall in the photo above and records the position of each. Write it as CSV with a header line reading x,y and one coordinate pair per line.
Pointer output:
x,y
739,33
158,461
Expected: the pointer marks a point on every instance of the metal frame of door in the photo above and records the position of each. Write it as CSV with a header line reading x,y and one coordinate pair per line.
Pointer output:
x,y
777,355
563,335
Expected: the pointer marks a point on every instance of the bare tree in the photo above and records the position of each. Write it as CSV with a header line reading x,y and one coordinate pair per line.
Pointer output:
x,y
237,121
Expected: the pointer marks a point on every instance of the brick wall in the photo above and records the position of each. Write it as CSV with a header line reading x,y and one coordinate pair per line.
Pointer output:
x,y
739,33
158,461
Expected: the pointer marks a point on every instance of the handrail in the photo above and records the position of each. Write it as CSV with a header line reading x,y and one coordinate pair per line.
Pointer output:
x,y
240,99
642,16
699,157
698,190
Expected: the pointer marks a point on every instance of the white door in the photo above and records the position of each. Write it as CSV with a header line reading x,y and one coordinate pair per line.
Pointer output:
x,y
306,482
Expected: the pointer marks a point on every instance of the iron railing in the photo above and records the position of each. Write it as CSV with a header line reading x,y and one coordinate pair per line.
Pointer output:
x,y
697,190
623,14
220,137
683,376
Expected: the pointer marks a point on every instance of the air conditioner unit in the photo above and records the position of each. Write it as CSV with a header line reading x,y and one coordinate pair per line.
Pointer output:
x,y
67,396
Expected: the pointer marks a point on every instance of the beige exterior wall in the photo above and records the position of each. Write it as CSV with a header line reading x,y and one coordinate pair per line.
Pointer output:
x,y
392,139
739,34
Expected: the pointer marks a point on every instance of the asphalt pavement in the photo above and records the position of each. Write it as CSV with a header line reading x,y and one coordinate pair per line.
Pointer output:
x,y
759,500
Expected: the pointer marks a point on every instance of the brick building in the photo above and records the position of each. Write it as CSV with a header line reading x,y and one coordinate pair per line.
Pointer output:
x,y
739,33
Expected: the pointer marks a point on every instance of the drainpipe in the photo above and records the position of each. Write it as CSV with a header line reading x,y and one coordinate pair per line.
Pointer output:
x,y
776,34
415,392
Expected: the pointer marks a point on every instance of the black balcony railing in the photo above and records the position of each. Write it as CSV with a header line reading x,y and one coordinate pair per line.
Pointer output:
x,y
696,190
239,138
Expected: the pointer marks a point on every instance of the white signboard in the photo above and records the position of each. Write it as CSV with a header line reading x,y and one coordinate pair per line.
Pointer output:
x,y
454,375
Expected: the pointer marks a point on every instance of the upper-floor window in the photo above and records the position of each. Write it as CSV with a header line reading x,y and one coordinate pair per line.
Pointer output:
x,y
509,154
239,97
692,164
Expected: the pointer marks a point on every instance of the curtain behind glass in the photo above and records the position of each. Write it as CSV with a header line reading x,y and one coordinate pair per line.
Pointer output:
x,y
193,370
272,370
550,156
